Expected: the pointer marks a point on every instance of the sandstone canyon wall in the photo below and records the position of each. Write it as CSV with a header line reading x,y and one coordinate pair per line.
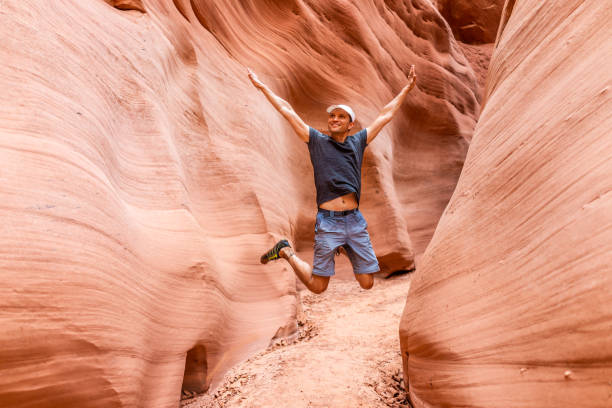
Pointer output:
x,y
474,21
142,176
474,25
511,305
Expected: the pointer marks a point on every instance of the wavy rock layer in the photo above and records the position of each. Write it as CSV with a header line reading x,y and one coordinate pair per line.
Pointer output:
x,y
511,304
142,176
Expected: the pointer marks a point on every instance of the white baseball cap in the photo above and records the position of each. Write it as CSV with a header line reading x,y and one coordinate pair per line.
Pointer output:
x,y
345,108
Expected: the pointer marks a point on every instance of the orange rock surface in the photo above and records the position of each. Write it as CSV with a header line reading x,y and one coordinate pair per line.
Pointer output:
x,y
511,306
142,176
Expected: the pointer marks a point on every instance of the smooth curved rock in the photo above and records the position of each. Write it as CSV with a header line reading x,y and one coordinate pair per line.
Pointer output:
x,y
511,304
142,176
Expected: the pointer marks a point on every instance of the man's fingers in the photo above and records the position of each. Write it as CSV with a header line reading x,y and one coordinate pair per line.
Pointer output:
x,y
253,77
411,78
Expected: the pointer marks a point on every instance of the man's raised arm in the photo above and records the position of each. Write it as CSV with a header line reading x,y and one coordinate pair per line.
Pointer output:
x,y
283,107
388,111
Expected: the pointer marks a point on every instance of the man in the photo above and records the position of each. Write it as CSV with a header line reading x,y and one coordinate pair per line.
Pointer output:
x,y
336,160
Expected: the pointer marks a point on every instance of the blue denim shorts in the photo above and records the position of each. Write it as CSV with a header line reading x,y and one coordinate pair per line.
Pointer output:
x,y
349,231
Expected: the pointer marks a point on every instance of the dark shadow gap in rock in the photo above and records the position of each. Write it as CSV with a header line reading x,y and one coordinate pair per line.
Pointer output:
x,y
399,272
127,5
196,370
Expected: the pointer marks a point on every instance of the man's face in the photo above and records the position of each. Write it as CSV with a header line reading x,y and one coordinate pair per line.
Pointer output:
x,y
339,121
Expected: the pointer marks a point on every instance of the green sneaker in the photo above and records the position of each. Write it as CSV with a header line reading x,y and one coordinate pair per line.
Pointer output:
x,y
272,254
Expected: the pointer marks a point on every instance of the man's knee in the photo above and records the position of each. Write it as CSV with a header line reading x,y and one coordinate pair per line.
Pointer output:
x,y
367,285
366,281
318,289
319,284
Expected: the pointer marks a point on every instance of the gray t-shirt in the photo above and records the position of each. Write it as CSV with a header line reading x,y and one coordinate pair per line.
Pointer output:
x,y
337,166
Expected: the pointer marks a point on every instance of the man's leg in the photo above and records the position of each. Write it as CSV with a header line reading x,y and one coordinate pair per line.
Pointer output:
x,y
282,249
360,252
303,270
366,280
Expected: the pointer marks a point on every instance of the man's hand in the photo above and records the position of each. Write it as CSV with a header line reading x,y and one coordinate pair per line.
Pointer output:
x,y
256,82
411,79
411,82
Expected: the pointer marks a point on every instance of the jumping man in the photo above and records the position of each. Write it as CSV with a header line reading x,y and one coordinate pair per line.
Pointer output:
x,y
336,161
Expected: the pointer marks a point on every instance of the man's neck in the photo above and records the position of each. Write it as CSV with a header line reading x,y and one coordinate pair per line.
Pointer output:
x,y
339,137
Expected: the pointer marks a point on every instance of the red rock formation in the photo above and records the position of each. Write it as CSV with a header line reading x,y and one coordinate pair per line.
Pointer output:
x,y
479,57
475,25
511,304
142,175
472,22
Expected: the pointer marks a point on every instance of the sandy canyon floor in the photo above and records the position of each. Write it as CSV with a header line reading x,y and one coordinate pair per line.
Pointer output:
x,y
346,354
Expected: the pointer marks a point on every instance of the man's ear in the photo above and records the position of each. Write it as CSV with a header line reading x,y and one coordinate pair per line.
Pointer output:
x,y
350,125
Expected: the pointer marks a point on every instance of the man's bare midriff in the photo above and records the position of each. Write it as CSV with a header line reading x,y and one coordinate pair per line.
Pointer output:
x,y
342,203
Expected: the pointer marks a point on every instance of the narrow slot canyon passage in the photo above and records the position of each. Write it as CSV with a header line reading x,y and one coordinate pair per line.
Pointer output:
x,y
346,355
